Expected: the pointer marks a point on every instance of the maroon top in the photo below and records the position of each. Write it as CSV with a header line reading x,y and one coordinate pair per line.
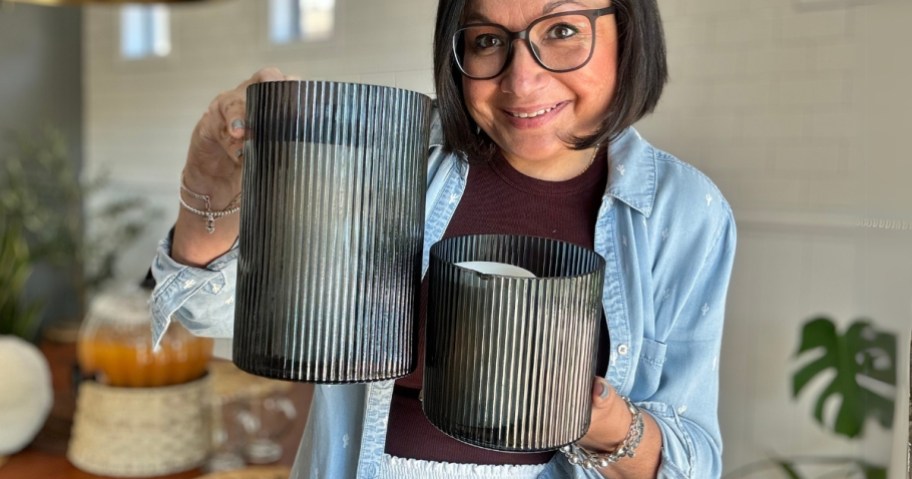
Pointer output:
x,y
497,200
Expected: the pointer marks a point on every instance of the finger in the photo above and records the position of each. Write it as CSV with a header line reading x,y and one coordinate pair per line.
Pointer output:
x,y
603,425
601,393
232,107
233,103
235,113
262,75
269,74
228,134
209,125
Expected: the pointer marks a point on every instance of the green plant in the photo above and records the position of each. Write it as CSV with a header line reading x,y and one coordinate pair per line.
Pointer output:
x,y
862,352
17,317
42,203
858,357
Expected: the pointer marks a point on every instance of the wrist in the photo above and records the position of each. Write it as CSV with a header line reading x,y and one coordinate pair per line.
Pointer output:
x,y
221,191
201,205
591,455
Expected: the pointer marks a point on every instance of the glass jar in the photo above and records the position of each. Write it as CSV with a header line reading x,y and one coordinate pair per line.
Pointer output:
x,y
115,345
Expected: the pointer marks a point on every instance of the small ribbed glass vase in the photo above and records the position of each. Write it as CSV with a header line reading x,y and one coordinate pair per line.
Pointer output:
x,y
511,359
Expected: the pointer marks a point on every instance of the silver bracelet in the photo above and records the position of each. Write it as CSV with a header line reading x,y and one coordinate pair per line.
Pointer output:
x,y
592,460
232,208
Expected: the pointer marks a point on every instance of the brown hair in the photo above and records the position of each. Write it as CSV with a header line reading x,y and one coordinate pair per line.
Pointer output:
x,y
642,73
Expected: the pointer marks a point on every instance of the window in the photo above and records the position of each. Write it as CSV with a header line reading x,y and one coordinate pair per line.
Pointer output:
x,y
300,20
145,31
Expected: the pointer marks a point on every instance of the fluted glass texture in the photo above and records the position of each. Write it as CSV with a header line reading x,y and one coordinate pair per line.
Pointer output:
x,y
510,360
331,231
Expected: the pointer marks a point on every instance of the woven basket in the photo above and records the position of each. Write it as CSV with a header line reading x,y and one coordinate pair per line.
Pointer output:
x,y
229,383
139,432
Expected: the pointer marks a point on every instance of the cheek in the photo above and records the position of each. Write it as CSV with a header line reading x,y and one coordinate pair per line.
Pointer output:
x,y
609,83
473,95
604,82
606,64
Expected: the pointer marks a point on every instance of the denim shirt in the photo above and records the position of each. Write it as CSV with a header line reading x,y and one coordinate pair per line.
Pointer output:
x,y
668,238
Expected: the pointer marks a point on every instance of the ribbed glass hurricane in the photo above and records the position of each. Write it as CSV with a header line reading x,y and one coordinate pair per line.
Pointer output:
x,y
331,231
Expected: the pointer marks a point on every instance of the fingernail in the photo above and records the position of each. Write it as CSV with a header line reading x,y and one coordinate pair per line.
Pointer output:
x,y
606,390
237,124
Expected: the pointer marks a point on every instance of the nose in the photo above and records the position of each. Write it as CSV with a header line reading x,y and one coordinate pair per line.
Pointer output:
x,y
523,74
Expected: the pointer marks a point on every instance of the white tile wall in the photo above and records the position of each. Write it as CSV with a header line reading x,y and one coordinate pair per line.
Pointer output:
x,y
139,115
799,114
802,81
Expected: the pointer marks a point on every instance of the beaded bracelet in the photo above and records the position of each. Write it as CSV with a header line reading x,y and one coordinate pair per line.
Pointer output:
x,y
591,460
232,208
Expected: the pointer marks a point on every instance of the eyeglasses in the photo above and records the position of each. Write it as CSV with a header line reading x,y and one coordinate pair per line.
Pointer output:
x,y
560,42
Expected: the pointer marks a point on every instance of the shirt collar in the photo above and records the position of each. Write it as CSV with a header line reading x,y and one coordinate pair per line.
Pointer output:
x,y
632,171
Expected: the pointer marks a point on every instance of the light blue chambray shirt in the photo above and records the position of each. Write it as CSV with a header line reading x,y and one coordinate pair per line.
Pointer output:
x,y
668,238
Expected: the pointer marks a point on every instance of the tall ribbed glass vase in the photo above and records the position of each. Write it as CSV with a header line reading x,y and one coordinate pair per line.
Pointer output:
x,y
331,231
510,360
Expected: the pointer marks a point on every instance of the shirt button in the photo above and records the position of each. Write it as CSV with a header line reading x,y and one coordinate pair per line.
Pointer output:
x,y
622,349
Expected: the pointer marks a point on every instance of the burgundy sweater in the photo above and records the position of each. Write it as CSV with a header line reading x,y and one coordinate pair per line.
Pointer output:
x,y
497,200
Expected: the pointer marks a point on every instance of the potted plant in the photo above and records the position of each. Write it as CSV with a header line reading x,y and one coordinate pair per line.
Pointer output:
x,y
43,222
862,351
44,218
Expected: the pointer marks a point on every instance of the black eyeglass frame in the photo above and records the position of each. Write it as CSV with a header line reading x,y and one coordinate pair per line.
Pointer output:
x,y
523,34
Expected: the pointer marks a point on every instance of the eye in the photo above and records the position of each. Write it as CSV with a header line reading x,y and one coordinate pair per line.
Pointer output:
x,y
562,31
487,40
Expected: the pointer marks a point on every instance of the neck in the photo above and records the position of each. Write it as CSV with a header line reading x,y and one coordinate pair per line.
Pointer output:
x,y
569,165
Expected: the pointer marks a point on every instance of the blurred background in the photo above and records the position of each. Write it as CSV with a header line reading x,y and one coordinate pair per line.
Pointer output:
x,y
797,109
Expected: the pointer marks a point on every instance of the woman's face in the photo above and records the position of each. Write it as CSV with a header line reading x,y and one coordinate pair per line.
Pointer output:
x,y
528,110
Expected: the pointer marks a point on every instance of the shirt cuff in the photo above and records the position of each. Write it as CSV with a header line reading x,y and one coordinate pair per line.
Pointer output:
x,y
202,299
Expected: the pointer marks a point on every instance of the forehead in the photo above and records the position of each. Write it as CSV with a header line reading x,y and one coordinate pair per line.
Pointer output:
x,y
519,13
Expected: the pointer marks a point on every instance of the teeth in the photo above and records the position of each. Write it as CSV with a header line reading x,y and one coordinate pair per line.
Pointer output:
x,y
533,114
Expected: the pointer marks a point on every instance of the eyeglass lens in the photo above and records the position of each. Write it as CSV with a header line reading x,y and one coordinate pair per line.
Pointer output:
x,y
559,43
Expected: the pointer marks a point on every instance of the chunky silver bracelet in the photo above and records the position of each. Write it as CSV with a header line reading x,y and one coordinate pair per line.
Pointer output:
x,y
232,208
592,460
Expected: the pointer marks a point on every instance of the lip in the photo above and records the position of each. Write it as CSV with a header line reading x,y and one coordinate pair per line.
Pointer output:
x,y
536,121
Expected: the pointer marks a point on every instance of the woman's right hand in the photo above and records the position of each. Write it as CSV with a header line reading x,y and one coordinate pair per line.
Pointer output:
x,y
213,169
214,159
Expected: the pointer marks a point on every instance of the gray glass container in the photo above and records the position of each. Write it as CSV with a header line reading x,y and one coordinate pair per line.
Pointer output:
x,y
510,360
331,231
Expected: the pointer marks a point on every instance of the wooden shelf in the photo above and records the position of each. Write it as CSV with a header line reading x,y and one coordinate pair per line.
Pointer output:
x,y
46,458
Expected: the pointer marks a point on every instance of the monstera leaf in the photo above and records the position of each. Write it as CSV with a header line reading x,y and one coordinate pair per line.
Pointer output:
x,y
860,357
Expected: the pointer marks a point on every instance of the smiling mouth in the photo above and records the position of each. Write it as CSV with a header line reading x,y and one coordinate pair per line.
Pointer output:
x,y
532,114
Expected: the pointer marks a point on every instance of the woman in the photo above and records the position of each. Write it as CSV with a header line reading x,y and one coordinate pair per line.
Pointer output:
x,y
536,102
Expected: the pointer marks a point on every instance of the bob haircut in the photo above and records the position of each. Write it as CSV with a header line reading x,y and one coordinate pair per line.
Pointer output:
x,y
641,74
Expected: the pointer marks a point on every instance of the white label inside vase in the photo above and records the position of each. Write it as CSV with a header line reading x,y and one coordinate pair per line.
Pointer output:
x,y
496,268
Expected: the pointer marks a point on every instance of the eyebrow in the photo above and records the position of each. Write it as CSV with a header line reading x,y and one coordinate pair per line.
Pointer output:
x,y
548,8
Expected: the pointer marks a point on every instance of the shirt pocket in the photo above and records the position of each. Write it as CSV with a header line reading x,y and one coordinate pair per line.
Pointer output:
x,y
649,371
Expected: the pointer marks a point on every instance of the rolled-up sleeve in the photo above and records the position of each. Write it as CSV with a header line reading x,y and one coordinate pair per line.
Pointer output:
x,y
202,299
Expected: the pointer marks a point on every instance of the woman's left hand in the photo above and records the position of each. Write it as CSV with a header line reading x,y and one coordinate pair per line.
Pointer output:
x,y
608,428
610,419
